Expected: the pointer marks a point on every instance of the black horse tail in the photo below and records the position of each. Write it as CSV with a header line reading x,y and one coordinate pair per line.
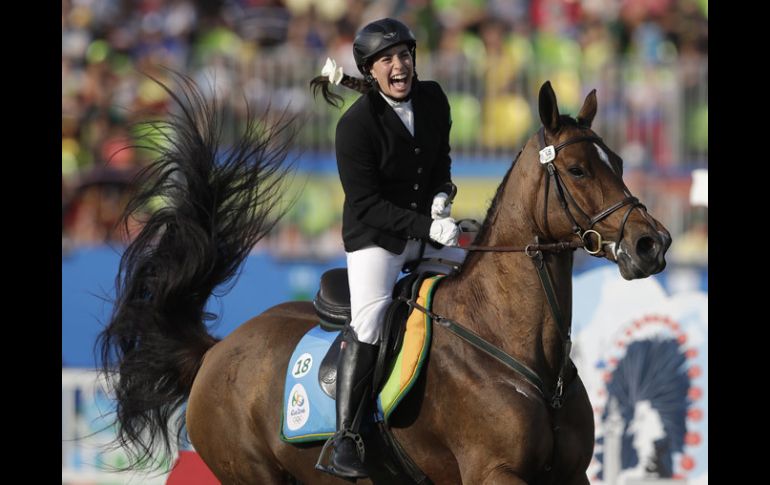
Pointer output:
x,y
216,205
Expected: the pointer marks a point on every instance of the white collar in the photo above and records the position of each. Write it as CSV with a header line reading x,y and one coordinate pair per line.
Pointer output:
x,y
396,104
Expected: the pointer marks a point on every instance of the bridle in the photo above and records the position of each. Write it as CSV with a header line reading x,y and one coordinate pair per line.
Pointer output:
x,y
548,155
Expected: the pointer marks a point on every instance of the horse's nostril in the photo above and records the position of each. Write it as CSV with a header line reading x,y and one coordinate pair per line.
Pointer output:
x,y
646,247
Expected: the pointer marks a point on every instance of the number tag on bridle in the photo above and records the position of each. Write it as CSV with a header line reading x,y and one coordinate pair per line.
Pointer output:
x,y
547,154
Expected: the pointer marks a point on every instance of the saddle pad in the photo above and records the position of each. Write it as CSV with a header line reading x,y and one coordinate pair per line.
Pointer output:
x,y
308,414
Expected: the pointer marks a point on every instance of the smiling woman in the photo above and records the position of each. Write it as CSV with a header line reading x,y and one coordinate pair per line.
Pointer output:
x,y
393,70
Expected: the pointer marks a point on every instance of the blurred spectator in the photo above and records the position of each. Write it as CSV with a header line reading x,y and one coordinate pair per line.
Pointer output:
x,y
506,114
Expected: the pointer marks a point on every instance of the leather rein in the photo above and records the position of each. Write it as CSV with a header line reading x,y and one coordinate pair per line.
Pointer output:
x,y
535,251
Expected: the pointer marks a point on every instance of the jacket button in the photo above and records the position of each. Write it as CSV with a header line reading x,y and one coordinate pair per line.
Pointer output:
x,y
419,169
413,205
417,151
416,186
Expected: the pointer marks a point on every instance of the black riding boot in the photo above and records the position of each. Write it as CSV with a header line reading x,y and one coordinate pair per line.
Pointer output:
x,y
354,377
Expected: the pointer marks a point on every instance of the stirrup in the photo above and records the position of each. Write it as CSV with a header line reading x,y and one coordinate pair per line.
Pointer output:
x,y
343,433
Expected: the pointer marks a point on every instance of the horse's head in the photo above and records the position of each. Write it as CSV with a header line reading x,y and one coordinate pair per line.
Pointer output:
x,y
582,193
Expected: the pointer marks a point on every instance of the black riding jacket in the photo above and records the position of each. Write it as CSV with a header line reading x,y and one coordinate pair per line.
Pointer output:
x,y
390,177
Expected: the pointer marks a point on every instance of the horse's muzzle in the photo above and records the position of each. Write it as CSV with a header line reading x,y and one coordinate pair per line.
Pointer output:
x,y
646,255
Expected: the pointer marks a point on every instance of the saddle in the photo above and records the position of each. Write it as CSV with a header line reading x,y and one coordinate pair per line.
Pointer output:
x,y
309,412
332,305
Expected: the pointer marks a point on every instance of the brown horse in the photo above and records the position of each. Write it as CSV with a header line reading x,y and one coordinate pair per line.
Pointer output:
x,y
472,419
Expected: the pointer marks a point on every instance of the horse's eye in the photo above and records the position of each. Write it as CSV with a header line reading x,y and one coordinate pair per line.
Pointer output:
x,y
576,171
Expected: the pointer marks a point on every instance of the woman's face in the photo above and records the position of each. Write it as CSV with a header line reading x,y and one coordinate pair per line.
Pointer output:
x,y
393,69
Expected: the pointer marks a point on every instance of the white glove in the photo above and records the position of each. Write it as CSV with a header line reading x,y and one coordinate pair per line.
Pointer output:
x,y
445,231
440,208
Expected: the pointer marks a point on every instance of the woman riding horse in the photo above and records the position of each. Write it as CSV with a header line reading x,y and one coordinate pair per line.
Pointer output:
x,y
498,400
394,165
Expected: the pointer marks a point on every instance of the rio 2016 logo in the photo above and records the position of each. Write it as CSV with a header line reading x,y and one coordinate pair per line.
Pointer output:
x,y
298,405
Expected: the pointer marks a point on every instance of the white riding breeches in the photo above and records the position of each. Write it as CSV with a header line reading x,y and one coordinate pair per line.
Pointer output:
x,y
372,273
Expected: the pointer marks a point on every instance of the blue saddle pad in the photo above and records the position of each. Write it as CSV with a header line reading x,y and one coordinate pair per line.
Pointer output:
x,y
308,413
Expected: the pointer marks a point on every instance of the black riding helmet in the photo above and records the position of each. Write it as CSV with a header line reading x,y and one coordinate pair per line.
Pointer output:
x,y
378,36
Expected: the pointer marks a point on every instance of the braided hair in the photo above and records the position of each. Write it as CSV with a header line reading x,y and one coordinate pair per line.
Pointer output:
x,y
322,83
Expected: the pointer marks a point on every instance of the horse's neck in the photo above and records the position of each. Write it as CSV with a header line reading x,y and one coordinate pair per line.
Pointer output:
x,y
500,295
503,300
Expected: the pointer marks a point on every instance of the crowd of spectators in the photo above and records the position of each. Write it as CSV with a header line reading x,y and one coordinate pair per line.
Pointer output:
x,y
109,47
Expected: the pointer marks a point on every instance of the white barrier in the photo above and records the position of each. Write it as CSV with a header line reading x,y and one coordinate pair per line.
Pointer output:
x,y
87,413
642,354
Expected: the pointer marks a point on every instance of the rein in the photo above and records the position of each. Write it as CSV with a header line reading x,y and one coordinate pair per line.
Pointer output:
x,y
534,251
479,342
529,249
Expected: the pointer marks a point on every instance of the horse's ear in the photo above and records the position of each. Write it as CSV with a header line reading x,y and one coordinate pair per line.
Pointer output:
x,y
588,111
549,111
